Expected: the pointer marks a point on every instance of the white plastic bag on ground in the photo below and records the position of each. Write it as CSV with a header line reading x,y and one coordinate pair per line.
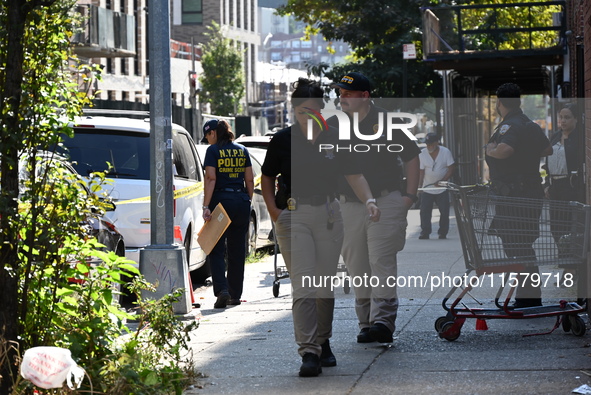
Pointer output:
x,y
49,367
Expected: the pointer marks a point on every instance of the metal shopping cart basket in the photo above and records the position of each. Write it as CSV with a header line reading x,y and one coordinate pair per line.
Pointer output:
x,y
503,237
280,272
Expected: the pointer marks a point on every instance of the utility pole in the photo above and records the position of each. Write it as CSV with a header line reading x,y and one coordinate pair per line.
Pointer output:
x,y
162,262
196,133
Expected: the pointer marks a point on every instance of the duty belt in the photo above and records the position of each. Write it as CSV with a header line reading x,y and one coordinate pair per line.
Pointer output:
x,y
314,200
229,190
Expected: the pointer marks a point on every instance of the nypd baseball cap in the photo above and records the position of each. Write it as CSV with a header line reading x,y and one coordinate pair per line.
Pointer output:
x,y
354,82
210,125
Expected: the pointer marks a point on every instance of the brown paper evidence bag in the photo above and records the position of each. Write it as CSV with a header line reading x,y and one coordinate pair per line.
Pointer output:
x,y
213,229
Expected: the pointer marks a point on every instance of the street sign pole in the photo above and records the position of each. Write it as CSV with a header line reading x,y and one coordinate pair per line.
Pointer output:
x,y
404,83
408,52
162,262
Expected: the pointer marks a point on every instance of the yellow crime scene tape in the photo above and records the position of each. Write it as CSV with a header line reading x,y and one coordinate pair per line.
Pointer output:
x,y
184,192
188,191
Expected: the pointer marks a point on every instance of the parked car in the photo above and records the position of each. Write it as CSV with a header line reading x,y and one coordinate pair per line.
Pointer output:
x,y
94,225
121,148
255,141
260,229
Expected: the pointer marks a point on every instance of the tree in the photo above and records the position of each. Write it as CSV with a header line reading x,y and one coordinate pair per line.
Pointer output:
x,y
223,77
34,85
44,213
376,31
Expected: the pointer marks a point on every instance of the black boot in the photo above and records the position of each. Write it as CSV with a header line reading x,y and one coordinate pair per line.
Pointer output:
x,y
380,333
363,336
310,365
327,358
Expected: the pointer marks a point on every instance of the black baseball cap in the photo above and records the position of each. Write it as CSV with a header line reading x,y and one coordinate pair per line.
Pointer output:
x,y
431,138
354,82
210,125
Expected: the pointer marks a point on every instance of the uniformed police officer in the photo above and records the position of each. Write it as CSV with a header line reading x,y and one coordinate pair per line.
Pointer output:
x,y
513,156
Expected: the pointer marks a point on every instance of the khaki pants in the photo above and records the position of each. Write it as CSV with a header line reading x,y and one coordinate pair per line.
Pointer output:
x,y
311,250
369,251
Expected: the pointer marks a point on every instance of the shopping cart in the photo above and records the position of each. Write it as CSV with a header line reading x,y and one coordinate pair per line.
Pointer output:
x,y
494,232
280,272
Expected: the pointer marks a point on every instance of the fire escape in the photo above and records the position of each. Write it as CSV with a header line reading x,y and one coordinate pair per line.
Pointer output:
x,y
476,48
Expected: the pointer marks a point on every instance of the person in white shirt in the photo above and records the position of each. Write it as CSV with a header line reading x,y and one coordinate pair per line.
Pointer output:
x,y
437,164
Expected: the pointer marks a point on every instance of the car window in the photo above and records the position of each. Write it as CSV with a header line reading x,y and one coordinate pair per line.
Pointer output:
x,y
184,157
90,150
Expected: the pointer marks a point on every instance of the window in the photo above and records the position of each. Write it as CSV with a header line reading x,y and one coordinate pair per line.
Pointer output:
x,y
92,149
184,157
192,12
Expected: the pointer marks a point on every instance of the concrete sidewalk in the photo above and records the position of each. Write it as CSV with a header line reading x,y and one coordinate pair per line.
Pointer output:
x,y
251,348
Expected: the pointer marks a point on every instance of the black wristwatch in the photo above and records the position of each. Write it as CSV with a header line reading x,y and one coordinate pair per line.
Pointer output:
x,y
412,197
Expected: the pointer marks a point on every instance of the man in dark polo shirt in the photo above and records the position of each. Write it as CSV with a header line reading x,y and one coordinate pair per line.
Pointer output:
x,y
369,247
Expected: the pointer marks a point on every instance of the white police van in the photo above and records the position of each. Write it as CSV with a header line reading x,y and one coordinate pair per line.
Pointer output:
x,y
124,143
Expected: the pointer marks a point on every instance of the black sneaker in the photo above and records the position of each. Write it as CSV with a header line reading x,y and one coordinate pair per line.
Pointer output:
x,y
234,302
310,365
363,336
327,358
442,237
380,333
222,300
424,237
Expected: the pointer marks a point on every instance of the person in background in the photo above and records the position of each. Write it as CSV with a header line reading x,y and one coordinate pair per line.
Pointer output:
x,y
565,169
370,247
513,156
229,180
437,164
308,222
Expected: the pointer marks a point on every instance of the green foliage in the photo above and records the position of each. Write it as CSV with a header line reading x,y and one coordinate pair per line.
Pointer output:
x,y
155,359
44,214
257,256
376,31
490,20
223,76
152,360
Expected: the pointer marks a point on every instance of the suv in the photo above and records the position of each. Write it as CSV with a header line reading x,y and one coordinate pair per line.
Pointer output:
x,y
121,148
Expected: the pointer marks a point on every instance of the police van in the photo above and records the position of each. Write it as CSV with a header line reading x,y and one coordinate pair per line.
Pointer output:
x,y
121,148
